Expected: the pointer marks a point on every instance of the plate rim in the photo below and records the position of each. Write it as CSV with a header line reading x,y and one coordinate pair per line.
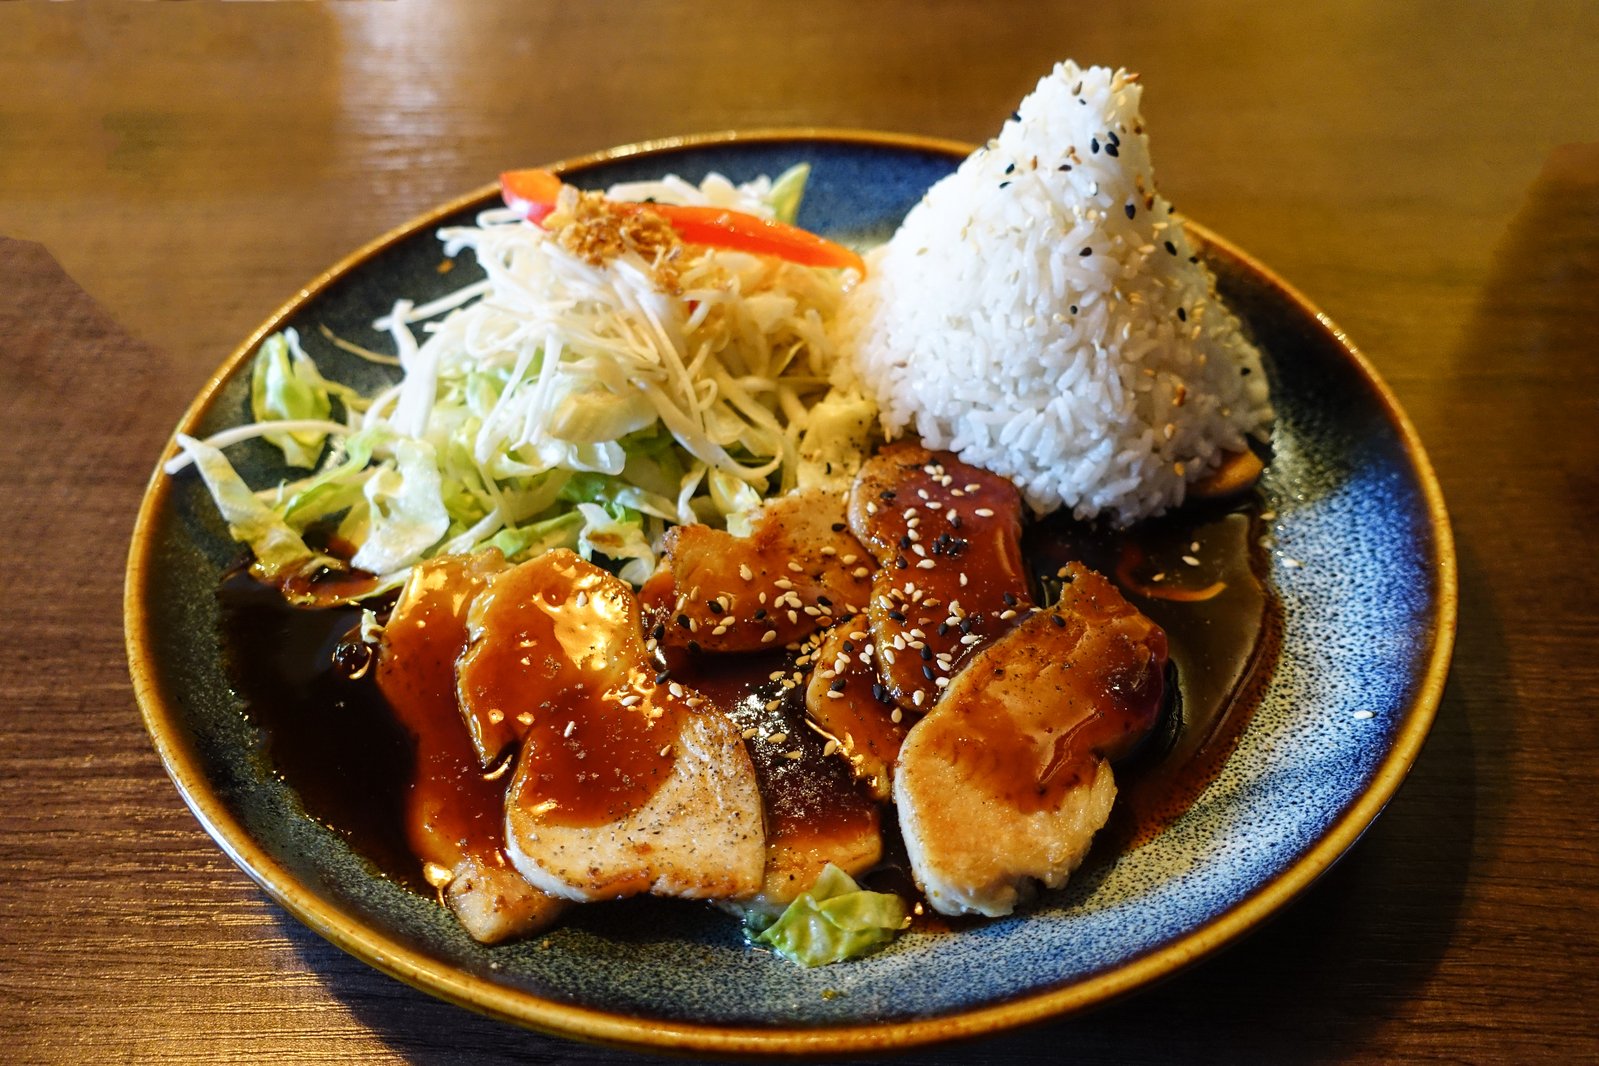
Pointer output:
x,y
389,955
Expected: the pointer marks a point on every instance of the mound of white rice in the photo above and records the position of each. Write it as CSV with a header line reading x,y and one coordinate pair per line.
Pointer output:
x,y
1042,313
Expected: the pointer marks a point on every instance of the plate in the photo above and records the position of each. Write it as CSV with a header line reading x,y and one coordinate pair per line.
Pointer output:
x,y
1363,568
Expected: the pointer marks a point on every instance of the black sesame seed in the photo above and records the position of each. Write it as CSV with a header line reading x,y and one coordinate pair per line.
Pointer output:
x,y
1171,248
760,612
659,632
837,686
1093,145
905,541
694,647
1131,210
661,678
1086,251
966,624
900,563
715,606
1112,151
1193,259
927,672
1010,599
898,616
1182,315
927,654
838,527
824,601
849,647
1245,371
1003,184
1060,623
878,694
888,494
1112,138
943,627
1010,168
682,620
1073,309
1015,116
955,523
1064,167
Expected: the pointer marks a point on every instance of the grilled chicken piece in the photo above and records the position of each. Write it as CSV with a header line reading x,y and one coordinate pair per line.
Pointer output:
x,y
848,703
947,537
1008,779
494,902
624,783
797,570
453,819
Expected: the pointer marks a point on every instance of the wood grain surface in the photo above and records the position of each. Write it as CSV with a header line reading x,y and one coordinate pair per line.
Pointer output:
x,y
1427,172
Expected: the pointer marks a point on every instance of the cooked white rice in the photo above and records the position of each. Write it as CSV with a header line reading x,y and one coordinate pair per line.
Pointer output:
x,y
1042,313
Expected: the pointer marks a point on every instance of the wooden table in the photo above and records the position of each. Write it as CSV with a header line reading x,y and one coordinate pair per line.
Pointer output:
x,y
1429,175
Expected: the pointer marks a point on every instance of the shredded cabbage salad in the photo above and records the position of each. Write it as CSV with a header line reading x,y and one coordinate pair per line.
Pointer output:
x,y
555,402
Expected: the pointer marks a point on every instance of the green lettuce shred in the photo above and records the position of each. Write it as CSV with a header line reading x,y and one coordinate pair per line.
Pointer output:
x,y
286,386
836,920
279,551
788,190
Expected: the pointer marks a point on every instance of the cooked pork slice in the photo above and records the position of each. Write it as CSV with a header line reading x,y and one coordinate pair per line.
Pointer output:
x,y
848,703
624,782
1007,780
798,569
494,902
697,833
553,624
453,819
947,539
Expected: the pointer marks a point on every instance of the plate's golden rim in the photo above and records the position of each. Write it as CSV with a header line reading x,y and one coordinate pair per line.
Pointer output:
x,y
562,1019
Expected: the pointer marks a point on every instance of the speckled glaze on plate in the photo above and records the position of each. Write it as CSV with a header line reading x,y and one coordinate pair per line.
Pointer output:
x,y
1364,570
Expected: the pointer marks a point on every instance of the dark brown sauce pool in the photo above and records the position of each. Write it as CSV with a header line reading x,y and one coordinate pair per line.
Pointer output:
x,y
333,739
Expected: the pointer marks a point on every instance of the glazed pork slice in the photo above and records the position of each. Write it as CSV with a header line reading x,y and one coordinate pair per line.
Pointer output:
x,y
947,538
453,818
625,782
1007,780
798,570
850,707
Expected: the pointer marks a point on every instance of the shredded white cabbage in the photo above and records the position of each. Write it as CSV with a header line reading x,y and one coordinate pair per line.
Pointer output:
x,y
556,387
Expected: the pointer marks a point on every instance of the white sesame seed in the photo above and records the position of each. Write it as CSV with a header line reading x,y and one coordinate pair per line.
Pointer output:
x,y
830,747
582,599
570,726
1006,615
768,636
630,700
941,682
745,572
849,560
973,487
834,695
795,568
918,696
1291,562
777,738
796,754
1190,560
963,580
1363,715
896,715
926,564
666,751
1159,577
871,508
984,512
749,734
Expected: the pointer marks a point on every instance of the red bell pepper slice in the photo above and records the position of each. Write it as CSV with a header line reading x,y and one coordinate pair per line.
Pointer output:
x,y
532,194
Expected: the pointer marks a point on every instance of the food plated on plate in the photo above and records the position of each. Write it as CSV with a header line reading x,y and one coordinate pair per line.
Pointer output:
x,y
703,558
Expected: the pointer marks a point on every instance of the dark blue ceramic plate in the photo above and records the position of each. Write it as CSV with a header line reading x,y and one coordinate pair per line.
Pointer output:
x,y
1363,569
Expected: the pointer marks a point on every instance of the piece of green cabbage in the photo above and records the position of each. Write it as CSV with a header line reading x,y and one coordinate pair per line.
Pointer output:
x,y
836,920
